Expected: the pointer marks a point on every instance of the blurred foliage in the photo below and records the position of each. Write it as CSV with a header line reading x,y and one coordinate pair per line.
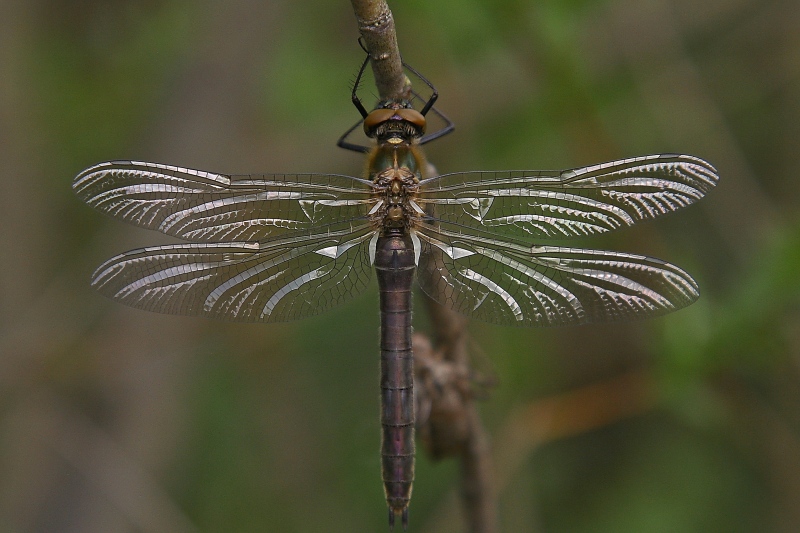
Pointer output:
x,y
118,420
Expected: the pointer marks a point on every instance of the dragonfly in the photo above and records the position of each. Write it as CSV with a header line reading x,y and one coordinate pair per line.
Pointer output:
x,y
281,247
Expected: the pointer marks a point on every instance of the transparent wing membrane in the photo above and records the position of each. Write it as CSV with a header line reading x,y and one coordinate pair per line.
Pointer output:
x,y
513,284
277,247
298,276
207,207
570,203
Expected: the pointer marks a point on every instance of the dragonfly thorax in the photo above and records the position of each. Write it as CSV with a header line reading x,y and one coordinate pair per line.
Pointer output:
x,y
394,171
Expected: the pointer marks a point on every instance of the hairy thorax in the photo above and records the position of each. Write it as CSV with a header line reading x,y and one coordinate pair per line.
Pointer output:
x,y
395,171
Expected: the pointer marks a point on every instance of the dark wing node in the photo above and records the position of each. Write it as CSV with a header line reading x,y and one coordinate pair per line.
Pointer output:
x,y
301,275
514,284
207,207
570,203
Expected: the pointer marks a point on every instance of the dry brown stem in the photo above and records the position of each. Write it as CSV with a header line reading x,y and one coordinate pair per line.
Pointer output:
x,y
376,26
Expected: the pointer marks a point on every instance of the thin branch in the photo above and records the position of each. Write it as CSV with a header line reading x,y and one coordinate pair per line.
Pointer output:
x,y
558,417
376,26
462,421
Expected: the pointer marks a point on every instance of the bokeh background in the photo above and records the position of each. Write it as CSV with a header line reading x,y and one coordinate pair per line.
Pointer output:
x,y
116,420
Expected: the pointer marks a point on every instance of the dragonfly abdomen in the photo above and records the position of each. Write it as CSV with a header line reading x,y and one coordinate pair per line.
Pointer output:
x,y
394,266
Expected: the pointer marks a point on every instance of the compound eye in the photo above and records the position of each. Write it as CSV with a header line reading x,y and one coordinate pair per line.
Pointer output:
x,y
375,118
414,117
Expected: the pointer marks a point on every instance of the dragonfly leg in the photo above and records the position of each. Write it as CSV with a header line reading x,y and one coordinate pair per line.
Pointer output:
x,y
354,95
342,143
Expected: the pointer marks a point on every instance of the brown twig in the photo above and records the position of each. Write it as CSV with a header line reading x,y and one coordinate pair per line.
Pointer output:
x,y
562,416
376,25
453,426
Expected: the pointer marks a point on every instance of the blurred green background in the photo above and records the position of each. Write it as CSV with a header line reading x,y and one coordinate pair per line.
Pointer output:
x,y
116,420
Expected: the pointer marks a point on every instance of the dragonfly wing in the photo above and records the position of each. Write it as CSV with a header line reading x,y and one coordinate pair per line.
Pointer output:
x,y
207,207
294,277
513,284
569,203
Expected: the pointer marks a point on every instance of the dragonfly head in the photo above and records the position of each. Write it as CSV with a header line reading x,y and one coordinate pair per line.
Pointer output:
x,y
395,123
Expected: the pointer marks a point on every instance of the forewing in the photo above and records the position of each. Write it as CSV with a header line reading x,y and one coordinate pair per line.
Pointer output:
x,y
513,284
207,207
285,279
569,203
